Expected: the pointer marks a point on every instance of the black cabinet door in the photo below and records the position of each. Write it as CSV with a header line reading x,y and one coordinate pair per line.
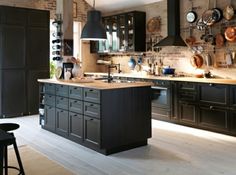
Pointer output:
x,y
62,122
214,93
187,113
233,121
12,47
76,127
233,96
214,118
91,131
38,18
33,87
38,48
13,91
50,118
13,15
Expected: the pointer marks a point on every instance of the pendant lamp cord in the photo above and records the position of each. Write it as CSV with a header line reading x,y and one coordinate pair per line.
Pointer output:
x,y
93,4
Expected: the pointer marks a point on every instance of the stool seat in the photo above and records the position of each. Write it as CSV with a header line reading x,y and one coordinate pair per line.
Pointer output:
x,y
5,128
9,126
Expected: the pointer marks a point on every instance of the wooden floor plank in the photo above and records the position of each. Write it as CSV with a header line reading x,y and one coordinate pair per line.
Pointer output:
x,y
172,150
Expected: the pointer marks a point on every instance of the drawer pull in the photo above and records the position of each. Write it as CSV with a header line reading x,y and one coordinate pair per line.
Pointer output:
x,y
75,101
62,111
91,105
91,119
75,115
91,90
211,107
62,98
210,84
75,88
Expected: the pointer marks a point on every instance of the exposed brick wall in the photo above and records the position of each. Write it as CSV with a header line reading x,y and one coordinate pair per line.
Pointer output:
x,y
82,6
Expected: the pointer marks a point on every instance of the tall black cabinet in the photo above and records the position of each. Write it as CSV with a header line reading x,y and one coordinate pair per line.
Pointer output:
x,y
24,57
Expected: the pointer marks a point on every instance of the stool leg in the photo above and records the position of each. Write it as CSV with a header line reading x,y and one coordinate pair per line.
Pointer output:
x,y
18,159
1,159
6,160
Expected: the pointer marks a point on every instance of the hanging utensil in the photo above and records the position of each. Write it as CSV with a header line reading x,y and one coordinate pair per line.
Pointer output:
x,y
208,60
228,11
191,39
191,15
200,24
228,58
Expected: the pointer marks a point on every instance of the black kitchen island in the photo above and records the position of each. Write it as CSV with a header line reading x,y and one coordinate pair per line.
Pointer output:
x,y
106,117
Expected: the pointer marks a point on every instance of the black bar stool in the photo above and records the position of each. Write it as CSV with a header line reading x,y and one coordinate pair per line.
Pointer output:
x,y
10,127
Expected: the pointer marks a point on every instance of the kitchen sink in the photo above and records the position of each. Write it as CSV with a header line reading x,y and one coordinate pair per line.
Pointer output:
x,y
119,81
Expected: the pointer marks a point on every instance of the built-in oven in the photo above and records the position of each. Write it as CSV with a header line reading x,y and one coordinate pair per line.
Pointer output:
x,y
161,100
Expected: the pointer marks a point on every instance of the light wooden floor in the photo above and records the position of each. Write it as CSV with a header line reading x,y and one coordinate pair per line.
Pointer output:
x,y
172,150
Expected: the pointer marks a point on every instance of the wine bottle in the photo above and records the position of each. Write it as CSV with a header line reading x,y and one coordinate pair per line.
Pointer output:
x,y
56,47
56,41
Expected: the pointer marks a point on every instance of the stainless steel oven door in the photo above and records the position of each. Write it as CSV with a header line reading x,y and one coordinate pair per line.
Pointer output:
x,y
161,96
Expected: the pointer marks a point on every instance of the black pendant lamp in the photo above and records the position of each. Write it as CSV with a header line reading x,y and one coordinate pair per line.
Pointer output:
x,y
93,29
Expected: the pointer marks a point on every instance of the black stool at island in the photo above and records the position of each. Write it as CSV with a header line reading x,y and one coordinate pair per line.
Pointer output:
x,y
6,127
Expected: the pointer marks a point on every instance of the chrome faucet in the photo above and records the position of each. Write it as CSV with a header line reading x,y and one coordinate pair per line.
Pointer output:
x,y
111,66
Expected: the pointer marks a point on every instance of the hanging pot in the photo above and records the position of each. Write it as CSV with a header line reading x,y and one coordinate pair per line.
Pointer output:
x,y
228,12
207,16
219,39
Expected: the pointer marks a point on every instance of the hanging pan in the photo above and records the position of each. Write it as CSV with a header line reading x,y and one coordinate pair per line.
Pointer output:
x,y
207,16
230,34
217,13
191,15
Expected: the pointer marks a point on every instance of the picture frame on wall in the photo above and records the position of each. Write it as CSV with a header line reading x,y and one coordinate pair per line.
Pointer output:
x,y
74,9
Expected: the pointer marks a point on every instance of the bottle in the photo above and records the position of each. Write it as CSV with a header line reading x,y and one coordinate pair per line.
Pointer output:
x,y
56,47
56,52
56,41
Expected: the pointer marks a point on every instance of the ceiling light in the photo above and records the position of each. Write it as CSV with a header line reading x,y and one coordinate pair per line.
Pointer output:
x,y
93,29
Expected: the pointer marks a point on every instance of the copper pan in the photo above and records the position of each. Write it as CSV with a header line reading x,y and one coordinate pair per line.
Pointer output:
x,y
197,61
230,34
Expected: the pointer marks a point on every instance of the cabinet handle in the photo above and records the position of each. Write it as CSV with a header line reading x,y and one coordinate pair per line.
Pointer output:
x,y
90,90
211,107
91,119
75,115
210,84
62,111
91,105
62,98
75,88
75,101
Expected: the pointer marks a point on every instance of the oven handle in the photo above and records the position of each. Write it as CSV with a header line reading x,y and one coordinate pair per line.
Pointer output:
x,y
159,87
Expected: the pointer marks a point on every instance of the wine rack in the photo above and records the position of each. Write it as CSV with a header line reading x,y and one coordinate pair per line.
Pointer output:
x,y
57,39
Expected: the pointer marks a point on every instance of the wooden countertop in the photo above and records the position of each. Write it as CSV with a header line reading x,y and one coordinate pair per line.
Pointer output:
x,y
152,77
96,84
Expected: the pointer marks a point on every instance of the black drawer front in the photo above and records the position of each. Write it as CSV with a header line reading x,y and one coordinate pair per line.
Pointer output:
x,y
76,92
91,109
186,86
50,100
76,127
62,90
91,95
62,122
187,96
92,131
76,106
62,102
214,118
212,93
49,88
